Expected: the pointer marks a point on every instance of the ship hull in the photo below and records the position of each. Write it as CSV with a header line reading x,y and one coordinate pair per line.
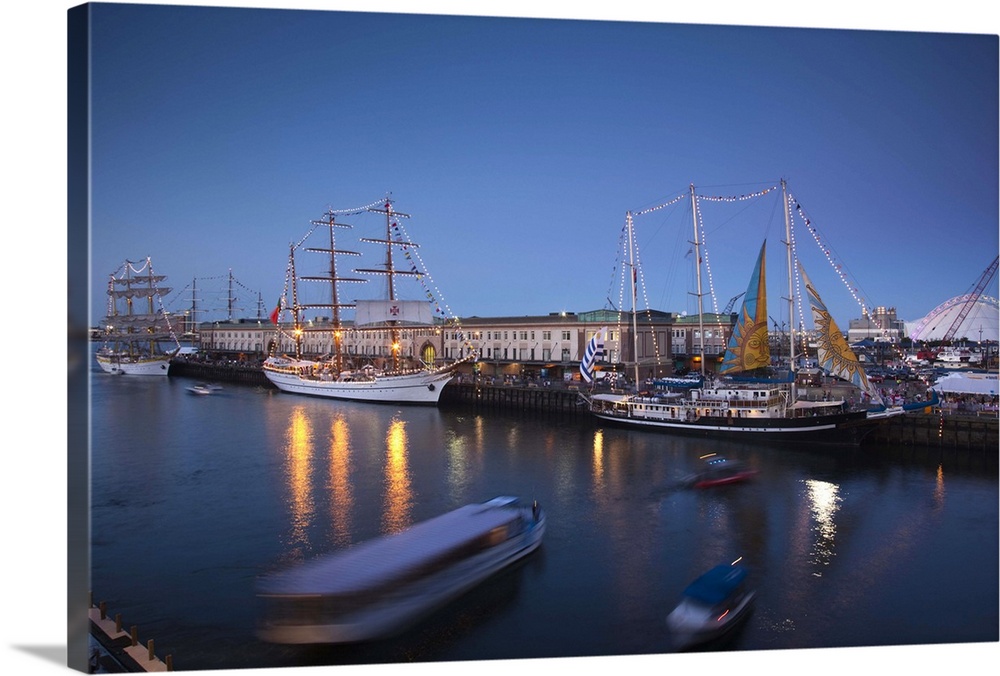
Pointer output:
x,y
847,428
142,367
418,388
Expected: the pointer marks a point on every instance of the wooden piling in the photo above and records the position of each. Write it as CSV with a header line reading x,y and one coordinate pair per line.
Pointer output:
x,y
123,648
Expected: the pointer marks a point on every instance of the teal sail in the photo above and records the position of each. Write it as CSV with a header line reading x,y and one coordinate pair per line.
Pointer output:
x,y
748,347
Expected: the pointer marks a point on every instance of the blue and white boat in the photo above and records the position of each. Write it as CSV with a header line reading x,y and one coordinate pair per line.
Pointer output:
x,y
711,606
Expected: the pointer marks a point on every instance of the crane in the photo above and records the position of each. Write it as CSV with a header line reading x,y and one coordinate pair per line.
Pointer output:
x,y
732,301
984,279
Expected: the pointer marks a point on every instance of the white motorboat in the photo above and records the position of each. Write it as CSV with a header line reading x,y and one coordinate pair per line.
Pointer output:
x,y
377,588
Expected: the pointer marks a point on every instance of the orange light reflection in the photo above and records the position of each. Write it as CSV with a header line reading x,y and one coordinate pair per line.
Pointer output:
x,y
341,493
298,474
398,492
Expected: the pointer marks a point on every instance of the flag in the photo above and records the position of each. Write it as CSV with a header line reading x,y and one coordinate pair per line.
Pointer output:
x,y
594,352
274,313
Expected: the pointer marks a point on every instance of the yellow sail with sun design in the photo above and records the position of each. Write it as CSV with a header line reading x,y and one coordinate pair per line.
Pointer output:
x,y
748,347
832,351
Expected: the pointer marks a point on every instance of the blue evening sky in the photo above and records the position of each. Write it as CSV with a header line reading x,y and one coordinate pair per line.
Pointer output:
x,y
518,145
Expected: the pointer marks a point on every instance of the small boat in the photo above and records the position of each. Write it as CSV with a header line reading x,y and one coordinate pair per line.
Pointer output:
x,y
958,357
380,587
202,390
711,606
718,471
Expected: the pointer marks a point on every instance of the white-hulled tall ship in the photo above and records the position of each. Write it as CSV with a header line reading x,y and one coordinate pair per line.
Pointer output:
x,y
384,375
742,401
137,328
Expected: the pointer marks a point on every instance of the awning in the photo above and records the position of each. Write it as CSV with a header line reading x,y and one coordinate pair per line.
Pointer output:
x,y
968,383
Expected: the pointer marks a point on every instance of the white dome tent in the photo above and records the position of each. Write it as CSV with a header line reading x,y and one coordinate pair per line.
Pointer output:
x,y
982,323
968,383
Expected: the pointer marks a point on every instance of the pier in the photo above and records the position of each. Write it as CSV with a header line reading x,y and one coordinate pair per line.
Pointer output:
x,y
512,398
120,651
947,430
944,430
247,373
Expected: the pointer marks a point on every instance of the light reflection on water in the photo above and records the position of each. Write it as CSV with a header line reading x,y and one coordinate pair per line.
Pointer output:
x,y
398,492
341,492
824,501
291,477
299,473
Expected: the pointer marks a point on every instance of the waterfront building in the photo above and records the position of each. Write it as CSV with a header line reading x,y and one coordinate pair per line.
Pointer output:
x,y
550,347
686,341
523,348
253,340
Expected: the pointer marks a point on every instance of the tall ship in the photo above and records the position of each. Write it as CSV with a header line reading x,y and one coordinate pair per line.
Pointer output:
x,y
137,334
746,398
363,359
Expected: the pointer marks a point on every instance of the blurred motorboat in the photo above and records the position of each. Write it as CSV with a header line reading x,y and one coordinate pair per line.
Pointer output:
x,y
719,471
376,588
711,606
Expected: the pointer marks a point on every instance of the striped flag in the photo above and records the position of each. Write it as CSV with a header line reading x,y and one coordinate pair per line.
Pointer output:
x,y
594,352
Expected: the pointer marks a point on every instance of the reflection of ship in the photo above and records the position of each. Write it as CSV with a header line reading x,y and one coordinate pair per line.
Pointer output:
x,y
136,325
382,586
381,376
748,402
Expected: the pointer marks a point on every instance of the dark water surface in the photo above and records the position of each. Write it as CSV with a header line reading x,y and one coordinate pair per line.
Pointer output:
x,y
194,497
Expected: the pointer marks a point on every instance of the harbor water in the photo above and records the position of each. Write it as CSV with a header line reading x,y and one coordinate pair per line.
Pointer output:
x,y
195,497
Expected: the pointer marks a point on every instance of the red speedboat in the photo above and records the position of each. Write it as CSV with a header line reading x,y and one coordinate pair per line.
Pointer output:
x,y
719,471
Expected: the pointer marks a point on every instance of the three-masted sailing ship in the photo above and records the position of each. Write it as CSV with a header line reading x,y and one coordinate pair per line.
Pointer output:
x,y
744,401
137,327
354,367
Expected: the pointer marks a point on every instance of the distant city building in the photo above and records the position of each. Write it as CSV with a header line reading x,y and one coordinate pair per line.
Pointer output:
x,y
881,325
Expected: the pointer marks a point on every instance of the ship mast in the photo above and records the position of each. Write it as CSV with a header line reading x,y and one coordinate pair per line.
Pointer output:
x,y
635,328
390,270
331,278
697,259
296,324
791,293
